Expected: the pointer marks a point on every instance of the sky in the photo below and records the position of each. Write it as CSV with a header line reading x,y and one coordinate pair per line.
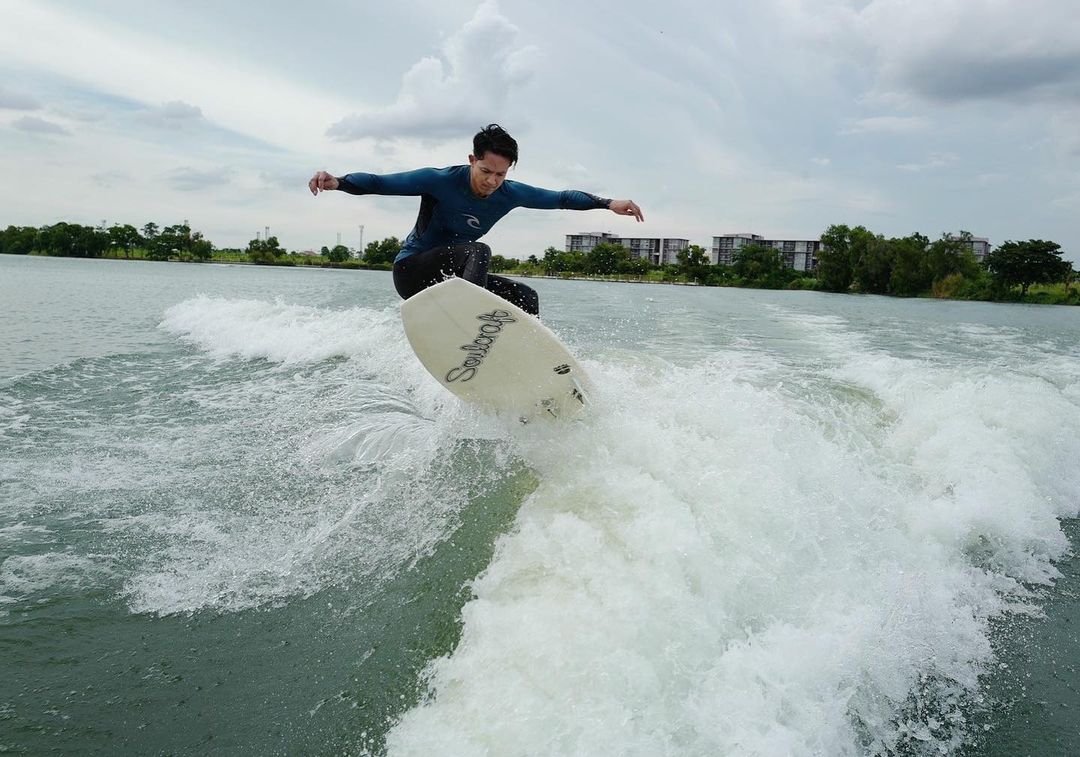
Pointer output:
x,y
778,117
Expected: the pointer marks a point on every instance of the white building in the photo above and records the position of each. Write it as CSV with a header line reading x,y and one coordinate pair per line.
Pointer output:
x,y
799,254
670,249
657,250
587,240
980,246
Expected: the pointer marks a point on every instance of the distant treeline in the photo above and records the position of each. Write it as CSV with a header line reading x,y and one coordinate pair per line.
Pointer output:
x,y
74,240
850,260
176,242
857,259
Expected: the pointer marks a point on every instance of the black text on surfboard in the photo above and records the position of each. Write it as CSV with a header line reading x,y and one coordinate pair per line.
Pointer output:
x,y
490,328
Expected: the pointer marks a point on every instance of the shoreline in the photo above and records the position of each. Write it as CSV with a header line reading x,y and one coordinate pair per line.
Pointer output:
x,y
571,277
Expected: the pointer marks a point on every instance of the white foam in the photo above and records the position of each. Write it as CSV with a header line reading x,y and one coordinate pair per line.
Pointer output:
x,y
257,486
280,332
23,576
714,565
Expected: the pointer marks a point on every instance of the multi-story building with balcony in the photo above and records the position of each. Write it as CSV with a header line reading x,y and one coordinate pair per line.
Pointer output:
x,y
643,248
657,250
799,254
980,246
587,240
670,249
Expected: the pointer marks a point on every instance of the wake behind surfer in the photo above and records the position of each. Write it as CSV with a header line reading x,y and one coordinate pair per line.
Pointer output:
x,y
460,204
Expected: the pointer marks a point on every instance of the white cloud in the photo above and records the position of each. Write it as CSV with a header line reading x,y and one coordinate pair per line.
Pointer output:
x,y
1067,202
10,100
937,160
103,56
188,179
956,50
172,115
35,125
886,125
1064,134
684,112
456,93
867,201
110,179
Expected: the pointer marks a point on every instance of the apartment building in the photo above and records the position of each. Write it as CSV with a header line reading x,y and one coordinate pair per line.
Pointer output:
x,y
670,249
980,246
799,254
587,240
657,250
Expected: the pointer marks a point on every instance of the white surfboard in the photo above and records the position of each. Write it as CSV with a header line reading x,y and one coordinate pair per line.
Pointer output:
x,y
491,352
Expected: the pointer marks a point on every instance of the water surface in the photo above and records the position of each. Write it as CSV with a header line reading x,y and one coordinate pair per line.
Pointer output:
x,y
237,517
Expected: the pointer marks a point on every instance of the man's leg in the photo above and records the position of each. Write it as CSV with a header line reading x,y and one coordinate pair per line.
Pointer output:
x,y
468,261
417,272
523,296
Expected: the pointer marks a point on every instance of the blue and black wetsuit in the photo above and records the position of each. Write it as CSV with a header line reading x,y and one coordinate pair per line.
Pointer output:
x,y
451,219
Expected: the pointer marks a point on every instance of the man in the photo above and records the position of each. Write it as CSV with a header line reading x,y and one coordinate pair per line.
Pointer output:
x,y
459,205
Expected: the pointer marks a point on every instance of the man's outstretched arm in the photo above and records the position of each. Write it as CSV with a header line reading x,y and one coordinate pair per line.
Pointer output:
x,y
572,199
407,183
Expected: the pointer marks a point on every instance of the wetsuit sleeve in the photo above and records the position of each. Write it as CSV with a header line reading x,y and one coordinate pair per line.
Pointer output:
x,y
548,199
408,183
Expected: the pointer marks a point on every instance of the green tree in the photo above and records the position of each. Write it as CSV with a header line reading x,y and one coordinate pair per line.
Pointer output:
x,y
760,265
949,255
18,240
72,240
177,241
910,275
606,258
150,230
560,261
694,263
382,252
871,260
500,263
264,251
124,238
200,248
1022,264
835,271
636,267
339,253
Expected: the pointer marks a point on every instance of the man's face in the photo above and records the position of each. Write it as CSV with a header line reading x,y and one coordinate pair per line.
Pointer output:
x,y
487,173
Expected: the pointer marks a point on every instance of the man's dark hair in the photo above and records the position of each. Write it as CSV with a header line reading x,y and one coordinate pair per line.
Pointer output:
x,y
493,138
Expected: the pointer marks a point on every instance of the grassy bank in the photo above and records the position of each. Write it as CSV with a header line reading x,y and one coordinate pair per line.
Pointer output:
x,y
954,287
240,257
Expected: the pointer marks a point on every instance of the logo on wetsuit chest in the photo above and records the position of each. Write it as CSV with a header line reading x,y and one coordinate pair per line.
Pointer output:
x,y
472,220
491,326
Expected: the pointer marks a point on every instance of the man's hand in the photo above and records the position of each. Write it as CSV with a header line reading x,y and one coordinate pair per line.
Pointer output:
x,y
323,181
626,208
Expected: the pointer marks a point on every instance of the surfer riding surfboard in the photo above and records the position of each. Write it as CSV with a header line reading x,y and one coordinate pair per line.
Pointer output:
x,y
459,204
